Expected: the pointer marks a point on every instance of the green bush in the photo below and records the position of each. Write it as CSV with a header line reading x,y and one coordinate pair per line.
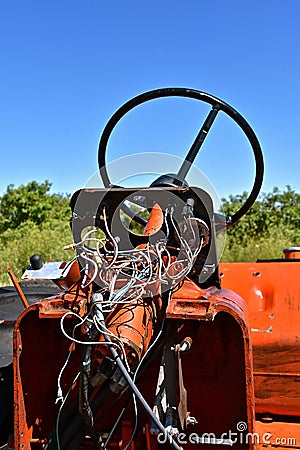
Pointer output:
x,y
272,224
34,221
31,203
46,239
276,213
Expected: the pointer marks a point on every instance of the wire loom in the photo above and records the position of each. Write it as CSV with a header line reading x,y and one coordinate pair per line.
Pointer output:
x,y
124,276
126,279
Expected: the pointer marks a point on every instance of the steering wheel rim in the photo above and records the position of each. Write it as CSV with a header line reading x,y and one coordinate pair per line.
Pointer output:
x,y
217,105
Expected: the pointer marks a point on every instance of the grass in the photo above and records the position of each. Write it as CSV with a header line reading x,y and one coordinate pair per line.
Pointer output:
x,y
48,240
17,245
267,247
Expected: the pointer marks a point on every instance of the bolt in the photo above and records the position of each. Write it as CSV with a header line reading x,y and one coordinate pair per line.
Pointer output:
x,y
190,420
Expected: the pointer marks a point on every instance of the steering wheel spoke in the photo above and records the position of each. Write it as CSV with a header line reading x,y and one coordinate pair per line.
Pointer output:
x,y
217,105
197,144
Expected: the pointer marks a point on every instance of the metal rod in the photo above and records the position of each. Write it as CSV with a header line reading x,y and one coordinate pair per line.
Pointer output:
x,y
197,144
18,288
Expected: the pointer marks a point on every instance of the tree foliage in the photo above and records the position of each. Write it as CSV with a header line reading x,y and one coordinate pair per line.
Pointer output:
x,y
32,203
34,221
274,213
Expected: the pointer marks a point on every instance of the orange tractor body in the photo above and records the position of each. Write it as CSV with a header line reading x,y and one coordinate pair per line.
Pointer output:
x,y
152,343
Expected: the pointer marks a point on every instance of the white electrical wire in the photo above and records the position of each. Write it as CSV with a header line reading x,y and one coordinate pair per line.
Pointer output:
x,y
73,339
127,274
59,396
105,331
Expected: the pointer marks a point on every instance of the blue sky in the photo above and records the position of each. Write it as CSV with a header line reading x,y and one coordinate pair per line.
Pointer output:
x,y
66,66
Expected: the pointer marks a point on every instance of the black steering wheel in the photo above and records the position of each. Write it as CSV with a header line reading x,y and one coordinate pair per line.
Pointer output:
x,y
217,105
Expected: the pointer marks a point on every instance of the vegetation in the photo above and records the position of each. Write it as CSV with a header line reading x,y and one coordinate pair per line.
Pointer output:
x,y
34,221
272,224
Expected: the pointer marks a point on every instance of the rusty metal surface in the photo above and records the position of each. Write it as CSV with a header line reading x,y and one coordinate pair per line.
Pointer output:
x,y
272,292
278,435
38,350
217,371
207,367
207,305
18,288
10,308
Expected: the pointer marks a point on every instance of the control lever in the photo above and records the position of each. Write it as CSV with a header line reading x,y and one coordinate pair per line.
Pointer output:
x,y
184,415
182,407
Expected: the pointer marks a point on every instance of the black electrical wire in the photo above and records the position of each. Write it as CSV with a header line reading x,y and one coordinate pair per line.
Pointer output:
x,y
136,375
73,441
84,387
72,424
134,388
